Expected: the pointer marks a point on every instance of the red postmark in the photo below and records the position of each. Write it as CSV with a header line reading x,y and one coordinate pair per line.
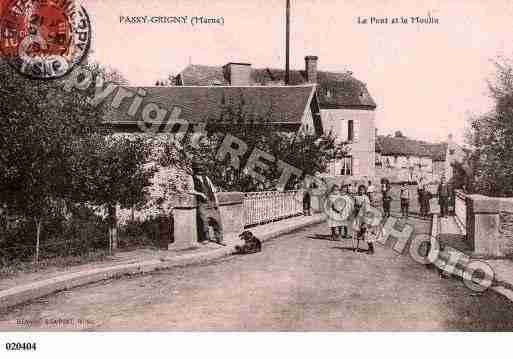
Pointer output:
x,y
44,39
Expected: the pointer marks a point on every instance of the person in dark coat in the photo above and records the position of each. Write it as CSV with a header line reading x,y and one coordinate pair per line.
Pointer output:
x,y
307,201
387,201
424,198
420,191
444,193
208,207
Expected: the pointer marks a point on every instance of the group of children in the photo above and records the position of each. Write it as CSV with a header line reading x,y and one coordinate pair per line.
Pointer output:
x,y
424,197
404,196
346,210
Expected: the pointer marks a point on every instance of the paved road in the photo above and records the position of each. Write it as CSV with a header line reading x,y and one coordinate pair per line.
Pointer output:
x,y
301,281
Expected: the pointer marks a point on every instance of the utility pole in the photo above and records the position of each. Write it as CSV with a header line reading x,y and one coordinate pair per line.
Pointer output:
x,y
287,45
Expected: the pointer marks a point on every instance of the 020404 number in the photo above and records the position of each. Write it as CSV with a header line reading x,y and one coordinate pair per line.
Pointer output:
x,y
20,346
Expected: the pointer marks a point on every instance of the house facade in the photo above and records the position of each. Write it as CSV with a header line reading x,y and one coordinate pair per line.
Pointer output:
x,y
346,107
399,158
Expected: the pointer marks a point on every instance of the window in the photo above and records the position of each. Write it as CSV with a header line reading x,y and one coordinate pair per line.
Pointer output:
x,y
451,151
306,129
346,168
329,92
350,130
377,160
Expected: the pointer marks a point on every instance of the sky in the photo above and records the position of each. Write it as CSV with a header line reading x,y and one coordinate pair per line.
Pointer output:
x,y
427,79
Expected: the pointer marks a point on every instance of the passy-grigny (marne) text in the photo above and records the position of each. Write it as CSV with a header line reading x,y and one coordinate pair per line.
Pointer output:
x,y
193,20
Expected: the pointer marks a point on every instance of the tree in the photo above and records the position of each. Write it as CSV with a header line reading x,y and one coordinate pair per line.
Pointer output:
x,y
308,153
54,152
491,137
39,123
112,171
462,175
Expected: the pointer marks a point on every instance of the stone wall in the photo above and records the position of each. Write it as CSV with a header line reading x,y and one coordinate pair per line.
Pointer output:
x,y
185,218
506,224
489,222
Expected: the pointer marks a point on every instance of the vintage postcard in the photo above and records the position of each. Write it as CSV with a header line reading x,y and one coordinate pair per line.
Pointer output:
x,y
255,166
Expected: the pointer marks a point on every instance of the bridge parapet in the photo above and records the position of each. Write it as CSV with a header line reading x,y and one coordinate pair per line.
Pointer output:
x,y
489,225
185,222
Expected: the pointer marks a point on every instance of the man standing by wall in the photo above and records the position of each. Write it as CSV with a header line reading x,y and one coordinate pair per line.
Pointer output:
x,y
208,206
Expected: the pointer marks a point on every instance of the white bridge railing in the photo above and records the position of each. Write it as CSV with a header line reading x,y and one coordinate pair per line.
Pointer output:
x,y
264,207
460,207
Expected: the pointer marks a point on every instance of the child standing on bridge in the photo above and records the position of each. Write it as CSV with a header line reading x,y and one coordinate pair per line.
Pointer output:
x,y
360,225
405,199
332,211
387,201
345,211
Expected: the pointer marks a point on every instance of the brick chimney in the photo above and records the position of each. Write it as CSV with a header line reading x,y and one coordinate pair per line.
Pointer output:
x,y
311,69
238,73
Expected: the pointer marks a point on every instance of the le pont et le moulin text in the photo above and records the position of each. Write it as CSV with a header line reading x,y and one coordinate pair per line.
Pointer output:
x,y
372,20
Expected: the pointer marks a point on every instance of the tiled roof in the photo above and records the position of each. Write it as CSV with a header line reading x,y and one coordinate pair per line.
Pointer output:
x,y
403,146
210,104
346,90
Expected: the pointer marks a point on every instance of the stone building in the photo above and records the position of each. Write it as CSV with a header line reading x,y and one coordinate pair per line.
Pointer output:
x,y
399,158
346,106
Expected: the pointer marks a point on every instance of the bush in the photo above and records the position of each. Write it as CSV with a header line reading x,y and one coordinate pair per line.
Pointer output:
x,y
81,233
137,233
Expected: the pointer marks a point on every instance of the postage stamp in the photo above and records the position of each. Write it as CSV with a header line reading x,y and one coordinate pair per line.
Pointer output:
x,y
44,39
